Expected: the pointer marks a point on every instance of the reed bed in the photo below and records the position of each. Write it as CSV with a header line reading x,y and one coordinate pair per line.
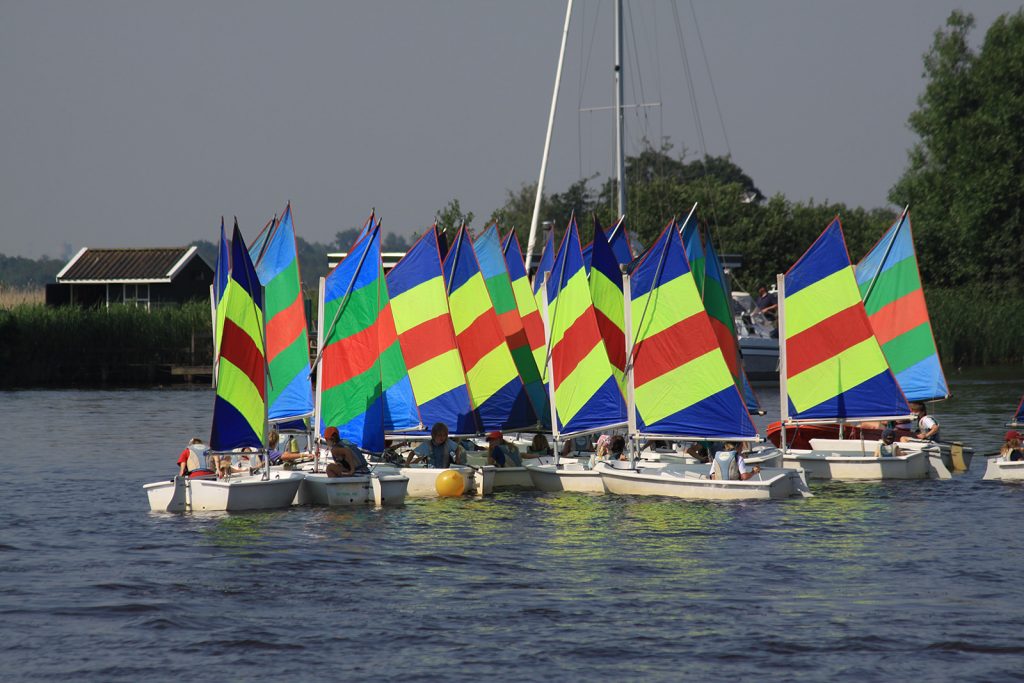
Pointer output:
x,y
122,345
977,326
10,297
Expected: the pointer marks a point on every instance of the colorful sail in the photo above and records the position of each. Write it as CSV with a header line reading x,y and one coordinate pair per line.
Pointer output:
x,y
891,288
587,396
240,407
718,304
363,384
427,339
606,293
682,384
544,265
495,388
533,324
1018,417
290,390
694,252
499,285
835,369
617,239
222,270
258,245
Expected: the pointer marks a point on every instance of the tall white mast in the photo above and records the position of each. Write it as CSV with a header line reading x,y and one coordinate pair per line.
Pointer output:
x,y
620,164
547,142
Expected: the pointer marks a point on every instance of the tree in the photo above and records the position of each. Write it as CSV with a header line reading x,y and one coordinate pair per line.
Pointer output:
x,y
451,217
965,178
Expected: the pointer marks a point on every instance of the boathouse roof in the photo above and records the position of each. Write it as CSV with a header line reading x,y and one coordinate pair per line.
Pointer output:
x,y
147,265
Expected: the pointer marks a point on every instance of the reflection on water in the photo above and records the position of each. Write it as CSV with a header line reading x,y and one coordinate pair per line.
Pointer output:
x,y
886,581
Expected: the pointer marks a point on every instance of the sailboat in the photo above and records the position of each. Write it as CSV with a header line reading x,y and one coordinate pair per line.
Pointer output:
x,y
890,287
240,408
999,469
362,383
585,397
679,386
833,368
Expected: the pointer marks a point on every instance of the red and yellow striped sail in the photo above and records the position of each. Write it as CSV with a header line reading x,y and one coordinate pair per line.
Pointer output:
x,y
424,326
587,395
834,366
495,387
606,292
682,384
240,407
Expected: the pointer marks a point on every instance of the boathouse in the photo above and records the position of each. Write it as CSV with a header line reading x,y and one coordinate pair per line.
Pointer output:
x,y
149,277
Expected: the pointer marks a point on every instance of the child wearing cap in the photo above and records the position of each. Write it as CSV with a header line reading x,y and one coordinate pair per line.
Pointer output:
x,y
501,453
1011,449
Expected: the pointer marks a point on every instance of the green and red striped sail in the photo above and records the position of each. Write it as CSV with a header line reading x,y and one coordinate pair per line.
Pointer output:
x,y
425,333
609,304
533,324
834,366
499,285
240,407
363,386
587,395
891,288
290,391
495,387
681,382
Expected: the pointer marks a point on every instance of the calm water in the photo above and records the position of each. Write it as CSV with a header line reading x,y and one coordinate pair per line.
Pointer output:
x,y
896,581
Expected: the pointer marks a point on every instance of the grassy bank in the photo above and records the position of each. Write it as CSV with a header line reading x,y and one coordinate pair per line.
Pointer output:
x,y
977,326
70,346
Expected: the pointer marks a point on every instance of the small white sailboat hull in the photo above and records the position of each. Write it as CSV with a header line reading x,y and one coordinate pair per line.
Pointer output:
x,y
566,476
423,480
955,456
823,465
998,469
227,495
370,489
691,482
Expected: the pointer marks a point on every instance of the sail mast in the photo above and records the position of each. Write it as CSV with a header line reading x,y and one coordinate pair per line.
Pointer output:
x,y
547,140
620,164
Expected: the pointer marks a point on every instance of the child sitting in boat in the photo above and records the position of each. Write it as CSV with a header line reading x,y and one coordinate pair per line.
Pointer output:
x,y
927,428
440,451
1012,450
729,464
538,447
190,460
349,460
501,453
887,448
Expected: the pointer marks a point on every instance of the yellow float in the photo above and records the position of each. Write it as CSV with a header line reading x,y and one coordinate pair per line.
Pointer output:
x,y
450,484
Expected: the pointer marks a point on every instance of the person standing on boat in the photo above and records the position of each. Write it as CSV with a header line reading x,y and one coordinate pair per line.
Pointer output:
x,y
927,426
441,452
349,461
501,453
768,303
729,464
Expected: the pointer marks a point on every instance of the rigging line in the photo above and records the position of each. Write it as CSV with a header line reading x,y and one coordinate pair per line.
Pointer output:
x,y
707,66
585,75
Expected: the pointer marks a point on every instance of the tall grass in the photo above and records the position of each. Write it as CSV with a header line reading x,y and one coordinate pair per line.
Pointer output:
x,y
72,346
17,296
977,326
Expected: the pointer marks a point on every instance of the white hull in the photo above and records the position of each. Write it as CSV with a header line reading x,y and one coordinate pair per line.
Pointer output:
x,y
566,476
370,489
423,480
998,469
854,467
512,478
691,482
230,495
955,456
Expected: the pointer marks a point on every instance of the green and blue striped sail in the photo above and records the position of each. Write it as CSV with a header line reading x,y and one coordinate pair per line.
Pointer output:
x,y
240,408
682,384
287,337
835,368
894,299
424,326
694,252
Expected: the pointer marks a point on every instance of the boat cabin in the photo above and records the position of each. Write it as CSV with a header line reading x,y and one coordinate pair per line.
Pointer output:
x,y
164,276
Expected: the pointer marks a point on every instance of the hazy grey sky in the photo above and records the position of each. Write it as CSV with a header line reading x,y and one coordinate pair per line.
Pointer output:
x,y
138,123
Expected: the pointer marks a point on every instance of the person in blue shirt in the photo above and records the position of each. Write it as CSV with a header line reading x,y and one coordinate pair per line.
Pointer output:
x,y
501,453
440,451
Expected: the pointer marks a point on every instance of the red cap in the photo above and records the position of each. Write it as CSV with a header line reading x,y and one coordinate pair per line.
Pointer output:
x,y
1012,434
331,433
494,436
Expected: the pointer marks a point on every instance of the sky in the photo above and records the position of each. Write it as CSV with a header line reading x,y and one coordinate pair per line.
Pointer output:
x,y
140,123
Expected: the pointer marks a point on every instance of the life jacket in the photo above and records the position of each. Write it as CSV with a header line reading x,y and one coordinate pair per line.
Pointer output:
x,y
725,465
362,467
196,452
